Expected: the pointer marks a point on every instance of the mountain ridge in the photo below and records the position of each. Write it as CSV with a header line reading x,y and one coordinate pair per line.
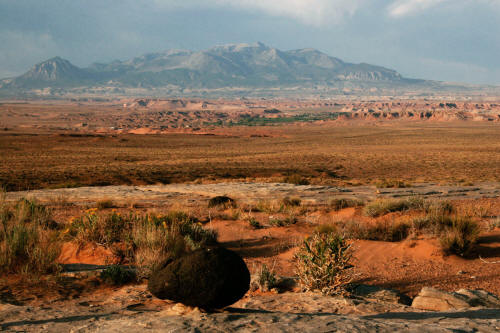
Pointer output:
x,y
228,66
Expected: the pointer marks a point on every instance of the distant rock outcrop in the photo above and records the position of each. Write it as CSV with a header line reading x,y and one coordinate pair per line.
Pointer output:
x,y
207,278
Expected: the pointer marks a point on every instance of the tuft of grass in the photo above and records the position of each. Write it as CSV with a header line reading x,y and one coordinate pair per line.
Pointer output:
x,y
384,230
254,223
28,244
266,278
460,237
117,275
384,206
392,183
282,222
341,203
221,201
323,263
296,179
105,204
292,202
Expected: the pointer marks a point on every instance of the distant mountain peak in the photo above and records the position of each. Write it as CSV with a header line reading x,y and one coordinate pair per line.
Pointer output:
x,y
244,65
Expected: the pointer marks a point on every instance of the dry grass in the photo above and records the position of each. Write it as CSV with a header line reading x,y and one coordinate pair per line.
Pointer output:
x,y
446,152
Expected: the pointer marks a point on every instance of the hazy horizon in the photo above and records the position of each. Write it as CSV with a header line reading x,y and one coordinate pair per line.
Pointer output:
x,y
429,39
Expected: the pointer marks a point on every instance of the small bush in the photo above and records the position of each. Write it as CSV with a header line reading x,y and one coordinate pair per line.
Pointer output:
x,y
221,201
323,263
439,208
341,203
117,275
296,179
460,237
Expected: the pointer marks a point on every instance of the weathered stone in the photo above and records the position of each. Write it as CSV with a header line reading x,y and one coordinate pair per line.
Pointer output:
x,y
207,278
380,294
480,298
439,300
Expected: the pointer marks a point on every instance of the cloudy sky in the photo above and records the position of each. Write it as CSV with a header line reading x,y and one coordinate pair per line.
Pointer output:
x,y
449,40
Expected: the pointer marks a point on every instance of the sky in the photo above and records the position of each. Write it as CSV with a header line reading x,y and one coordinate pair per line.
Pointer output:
x,y
446,40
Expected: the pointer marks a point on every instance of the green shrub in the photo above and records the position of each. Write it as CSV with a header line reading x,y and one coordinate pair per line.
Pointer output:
x,y
341,203
460,237
323,263
117,275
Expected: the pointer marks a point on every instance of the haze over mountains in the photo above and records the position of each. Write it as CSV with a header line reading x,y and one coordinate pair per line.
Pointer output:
x,y
227,67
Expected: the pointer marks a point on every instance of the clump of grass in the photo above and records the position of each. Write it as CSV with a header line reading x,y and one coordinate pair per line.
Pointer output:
x,y
148,239
266,279
392,183
382,230
282,222
292,202
254,223
105,204
117,275
27,243
341,203
439,207
296,179
323,263
460,237
384,206
221,201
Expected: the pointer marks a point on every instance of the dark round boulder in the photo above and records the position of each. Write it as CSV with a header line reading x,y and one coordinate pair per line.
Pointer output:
x,y
210,278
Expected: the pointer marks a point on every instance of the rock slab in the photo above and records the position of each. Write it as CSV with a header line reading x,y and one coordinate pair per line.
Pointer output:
x,y
206,278
438,300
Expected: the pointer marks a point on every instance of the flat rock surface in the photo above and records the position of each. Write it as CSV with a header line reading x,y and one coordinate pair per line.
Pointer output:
x,y
130,309
258,191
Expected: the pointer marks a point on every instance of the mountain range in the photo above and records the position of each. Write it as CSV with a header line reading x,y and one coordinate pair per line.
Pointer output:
x,y
246,66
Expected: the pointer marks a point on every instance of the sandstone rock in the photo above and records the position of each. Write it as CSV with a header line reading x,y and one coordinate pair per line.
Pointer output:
x,y
480,298
438,300
206,278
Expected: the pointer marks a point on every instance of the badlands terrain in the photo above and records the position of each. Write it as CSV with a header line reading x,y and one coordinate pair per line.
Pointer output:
x,y
377,171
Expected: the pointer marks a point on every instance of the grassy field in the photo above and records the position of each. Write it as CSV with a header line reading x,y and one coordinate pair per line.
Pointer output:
x,y
323,154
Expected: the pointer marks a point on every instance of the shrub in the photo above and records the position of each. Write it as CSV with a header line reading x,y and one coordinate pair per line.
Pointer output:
x,y
117,275
221,200
460,237
296,179
323,263
439,208
341,203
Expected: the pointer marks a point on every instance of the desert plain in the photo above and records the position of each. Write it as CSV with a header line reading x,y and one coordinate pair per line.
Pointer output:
x,y
394,176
